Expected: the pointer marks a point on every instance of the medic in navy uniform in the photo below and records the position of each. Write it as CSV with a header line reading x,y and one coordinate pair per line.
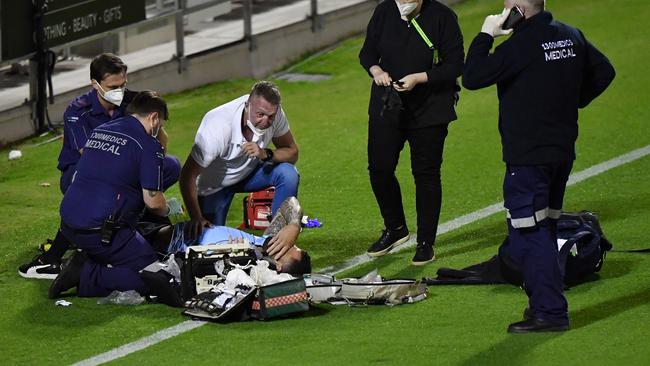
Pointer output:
x,y
544,73
119,174
107,101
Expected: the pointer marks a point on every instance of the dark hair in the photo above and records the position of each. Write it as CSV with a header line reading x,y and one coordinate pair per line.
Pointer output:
x,y
298,266
266,90
106,64
148,101
537,4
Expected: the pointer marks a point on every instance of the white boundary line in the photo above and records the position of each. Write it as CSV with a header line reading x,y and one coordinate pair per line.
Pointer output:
x,y
360,259
141,344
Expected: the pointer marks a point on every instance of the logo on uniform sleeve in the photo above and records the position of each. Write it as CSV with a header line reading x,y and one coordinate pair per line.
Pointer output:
x,y
558,50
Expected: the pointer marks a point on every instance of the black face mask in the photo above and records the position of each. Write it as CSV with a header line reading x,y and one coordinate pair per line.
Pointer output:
x,y
391,100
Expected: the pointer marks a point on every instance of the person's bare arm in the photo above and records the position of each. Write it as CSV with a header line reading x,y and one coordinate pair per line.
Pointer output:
x,y
286,149
187,181
155,202
284,228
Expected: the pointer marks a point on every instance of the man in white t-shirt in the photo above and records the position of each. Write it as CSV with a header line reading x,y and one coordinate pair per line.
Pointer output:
x,y
232,153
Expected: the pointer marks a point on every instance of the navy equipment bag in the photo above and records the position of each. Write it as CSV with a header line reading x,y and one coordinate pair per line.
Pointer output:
x,y
581,243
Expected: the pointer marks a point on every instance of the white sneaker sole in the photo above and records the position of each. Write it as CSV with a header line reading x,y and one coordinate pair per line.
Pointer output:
x,y
31,273
385,251
425,262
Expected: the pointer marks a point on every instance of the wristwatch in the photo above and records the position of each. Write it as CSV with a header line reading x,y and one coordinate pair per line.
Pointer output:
x,y
269,155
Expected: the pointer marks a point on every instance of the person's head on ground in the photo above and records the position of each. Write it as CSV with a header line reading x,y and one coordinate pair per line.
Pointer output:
x,y
108,77
150,109
528,7
262,106
295,262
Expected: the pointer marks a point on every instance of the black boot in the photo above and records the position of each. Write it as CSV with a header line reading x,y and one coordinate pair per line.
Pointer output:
x,y
69,276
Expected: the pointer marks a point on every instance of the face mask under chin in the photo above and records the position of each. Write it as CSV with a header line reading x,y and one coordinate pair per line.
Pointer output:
x,y
256,131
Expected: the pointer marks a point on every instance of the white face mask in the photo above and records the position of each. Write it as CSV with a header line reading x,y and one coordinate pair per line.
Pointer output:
x,y
406,9
113,96
256,131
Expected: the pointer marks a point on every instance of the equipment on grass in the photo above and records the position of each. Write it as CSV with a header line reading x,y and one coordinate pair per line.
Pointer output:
x,y
257,209
207,265
280,299
582,249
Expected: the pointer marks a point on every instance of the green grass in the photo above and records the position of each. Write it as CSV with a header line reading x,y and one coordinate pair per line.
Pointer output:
x,y
457,324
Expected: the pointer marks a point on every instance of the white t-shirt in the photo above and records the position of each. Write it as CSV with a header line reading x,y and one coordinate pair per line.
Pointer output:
x,y
217,146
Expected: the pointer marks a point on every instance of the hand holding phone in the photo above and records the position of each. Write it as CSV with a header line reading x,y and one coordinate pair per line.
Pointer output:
x,y
515,17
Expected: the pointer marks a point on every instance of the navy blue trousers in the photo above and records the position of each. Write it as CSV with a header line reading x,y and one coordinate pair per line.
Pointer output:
x,y
112,267
533,197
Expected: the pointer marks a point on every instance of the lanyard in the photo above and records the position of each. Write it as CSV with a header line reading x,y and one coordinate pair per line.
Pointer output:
x,y
426,40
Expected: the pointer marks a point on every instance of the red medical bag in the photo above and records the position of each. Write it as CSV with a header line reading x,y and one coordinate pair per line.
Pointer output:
x,y
257,209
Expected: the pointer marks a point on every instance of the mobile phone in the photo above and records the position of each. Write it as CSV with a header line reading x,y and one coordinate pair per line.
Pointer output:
x,y
515,17
398,83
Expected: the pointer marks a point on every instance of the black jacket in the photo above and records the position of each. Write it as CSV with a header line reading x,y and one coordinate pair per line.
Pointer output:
x,y
398,49
544,72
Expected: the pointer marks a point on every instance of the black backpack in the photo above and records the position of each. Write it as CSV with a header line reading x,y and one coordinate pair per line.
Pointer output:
x,y
581,255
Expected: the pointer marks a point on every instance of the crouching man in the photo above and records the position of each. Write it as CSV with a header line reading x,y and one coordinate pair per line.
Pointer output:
x,y
118,175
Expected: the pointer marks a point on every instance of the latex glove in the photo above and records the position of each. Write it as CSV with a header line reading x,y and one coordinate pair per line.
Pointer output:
x,y
380,76
492,24
410,81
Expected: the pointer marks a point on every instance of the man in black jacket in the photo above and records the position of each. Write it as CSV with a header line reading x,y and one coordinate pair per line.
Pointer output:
x,y
544,73
414,52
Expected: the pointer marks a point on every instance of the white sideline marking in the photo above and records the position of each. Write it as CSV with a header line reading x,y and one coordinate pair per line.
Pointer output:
x,y
360,259
142,343
497,207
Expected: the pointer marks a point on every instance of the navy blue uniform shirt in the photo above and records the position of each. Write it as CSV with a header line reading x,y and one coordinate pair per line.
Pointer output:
x,y
119,160
544,72
84,114
398,49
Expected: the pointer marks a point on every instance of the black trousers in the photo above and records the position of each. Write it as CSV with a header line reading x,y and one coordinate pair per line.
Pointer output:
x,y
386,138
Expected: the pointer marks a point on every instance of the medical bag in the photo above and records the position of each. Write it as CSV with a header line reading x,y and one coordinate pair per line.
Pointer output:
x,y
257,209
206,265
280,299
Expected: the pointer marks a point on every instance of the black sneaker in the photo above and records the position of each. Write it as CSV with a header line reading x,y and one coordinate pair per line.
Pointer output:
x,y
423,254
39,268
69,276
389,238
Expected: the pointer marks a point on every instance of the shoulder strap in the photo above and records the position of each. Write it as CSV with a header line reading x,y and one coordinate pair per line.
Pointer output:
x,y
426,39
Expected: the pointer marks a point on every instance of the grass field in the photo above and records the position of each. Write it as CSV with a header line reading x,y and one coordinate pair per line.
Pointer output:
x,y
457,324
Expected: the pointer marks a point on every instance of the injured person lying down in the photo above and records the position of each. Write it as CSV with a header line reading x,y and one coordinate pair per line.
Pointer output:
x,y
276,245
